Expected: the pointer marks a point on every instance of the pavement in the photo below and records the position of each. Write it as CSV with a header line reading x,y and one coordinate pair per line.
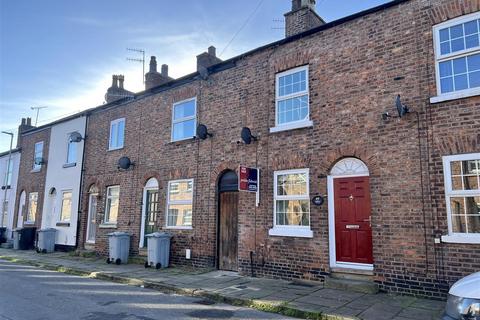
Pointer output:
x,y
301,300
38,294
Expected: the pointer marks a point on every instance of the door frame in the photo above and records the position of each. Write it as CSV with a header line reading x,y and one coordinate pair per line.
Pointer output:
x,y
89,216
151,184
360,171
21,208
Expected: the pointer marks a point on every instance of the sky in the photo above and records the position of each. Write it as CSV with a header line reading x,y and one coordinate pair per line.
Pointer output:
x,y
62,54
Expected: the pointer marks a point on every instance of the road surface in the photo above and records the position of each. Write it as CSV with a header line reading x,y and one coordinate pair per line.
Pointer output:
x,y
30,293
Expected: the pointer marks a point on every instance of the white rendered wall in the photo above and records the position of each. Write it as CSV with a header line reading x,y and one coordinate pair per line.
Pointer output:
x,y
63,178
11,193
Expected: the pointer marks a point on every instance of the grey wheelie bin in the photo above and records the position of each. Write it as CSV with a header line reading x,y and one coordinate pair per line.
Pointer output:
x,y
158,250
118,247
46,240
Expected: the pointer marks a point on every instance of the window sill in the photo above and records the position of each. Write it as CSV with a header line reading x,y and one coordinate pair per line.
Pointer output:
x,y
291,232
108,226
69,165
179,228
181,141
29,223
63,224
456,238
36,170
455,95
292,126
114,149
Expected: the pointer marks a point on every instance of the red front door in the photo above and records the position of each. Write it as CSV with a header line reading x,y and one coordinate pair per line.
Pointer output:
x,y
353,232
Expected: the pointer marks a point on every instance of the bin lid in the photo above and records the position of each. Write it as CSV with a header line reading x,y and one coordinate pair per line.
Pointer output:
x,y
159,235
48,230
119,234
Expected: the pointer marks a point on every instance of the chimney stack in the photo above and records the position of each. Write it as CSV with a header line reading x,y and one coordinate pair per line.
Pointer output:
x,y
117,91
206,60
153,78
301,18
24,126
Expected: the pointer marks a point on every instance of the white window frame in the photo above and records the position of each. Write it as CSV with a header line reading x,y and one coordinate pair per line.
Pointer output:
x,y
37,167
294,124
9,172
107,208
28,209
449,192
441,58
291,231
179,202
69,145
112,123
60,218
194,117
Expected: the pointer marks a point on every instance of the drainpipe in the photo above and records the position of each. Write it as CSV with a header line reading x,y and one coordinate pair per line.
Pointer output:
x,y
80,193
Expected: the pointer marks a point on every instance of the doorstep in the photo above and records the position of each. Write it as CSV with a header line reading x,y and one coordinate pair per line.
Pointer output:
x,y
304,300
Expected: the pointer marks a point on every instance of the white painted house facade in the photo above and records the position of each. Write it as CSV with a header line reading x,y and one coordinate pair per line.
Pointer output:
x,y
63,177
9,176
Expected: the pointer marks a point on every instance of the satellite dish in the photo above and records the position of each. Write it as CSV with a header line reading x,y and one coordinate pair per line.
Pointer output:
x,y
202,132
402,109
247,136
75,137
124,163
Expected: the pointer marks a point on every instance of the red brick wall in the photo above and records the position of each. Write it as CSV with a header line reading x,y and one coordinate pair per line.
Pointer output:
x,y
29,181
355,71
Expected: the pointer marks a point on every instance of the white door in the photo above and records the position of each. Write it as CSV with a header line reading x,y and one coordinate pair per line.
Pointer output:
x,y
21,210
92,214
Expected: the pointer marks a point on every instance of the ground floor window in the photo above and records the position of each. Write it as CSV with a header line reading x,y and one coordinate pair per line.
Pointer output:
x,y
291,203
462,193
179,203
111,207
32,206
66,210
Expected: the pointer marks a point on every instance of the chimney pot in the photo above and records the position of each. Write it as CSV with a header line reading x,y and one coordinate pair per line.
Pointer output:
x,y
212,51
121,79
165,70
153,64
29,121
114,81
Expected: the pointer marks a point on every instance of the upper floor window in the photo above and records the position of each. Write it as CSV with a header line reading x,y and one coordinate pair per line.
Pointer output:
x,y
184,119
71,151
117,134
292,99
111,207
9,173
66,210
462,193
38,156
179,204
32,206
457,53
291,203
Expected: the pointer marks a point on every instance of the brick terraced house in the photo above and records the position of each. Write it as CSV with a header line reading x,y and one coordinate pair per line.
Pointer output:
x,y
402,195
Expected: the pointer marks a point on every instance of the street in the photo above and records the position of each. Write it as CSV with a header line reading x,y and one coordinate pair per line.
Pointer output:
x,y
34,294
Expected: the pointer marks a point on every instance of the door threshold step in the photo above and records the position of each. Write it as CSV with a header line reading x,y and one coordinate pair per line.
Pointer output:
x,y
355,285
352,274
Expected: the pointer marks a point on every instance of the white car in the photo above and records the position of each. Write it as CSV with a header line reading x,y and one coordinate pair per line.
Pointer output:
x,y
464,299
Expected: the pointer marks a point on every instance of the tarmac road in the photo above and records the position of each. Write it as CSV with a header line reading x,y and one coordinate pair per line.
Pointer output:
x,y
30,293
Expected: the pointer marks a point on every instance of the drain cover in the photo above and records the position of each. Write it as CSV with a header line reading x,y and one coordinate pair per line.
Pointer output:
x,y
211,314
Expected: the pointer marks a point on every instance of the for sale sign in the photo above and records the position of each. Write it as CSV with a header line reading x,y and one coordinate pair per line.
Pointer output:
x,y
248,179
